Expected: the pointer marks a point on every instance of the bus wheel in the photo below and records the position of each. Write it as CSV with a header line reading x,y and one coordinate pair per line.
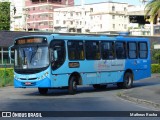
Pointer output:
x,y
43,91
99,87
128,80
72,88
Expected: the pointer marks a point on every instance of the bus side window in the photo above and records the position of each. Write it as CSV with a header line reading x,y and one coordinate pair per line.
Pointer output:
x,y
132,50
107,50
92,50
143,50
120,50
75,50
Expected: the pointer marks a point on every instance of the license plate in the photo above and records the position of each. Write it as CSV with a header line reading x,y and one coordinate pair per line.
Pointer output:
x,y
28,83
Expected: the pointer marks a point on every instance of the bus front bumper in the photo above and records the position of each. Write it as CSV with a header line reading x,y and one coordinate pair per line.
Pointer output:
x,y
32,83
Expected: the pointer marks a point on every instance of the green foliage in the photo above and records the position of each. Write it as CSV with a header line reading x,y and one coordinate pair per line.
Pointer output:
x,y
155,53
4,15
6,76
155,68
152,9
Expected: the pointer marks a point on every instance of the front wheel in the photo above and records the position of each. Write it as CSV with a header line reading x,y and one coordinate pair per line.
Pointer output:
x,y
72,88
43,91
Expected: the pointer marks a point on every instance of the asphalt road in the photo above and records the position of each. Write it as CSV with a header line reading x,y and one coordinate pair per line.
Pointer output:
x,y
87,99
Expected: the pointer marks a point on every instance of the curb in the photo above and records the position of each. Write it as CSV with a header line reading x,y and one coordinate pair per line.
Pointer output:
x,y
139,101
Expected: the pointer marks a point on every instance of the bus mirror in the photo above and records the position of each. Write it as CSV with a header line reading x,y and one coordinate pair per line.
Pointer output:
x,y
10,52
55,54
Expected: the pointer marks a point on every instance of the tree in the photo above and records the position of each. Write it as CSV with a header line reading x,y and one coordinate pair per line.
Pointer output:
x,y
4,15
152,9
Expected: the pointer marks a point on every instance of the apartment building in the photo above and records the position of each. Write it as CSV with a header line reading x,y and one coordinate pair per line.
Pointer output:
x,y
105,17
39,13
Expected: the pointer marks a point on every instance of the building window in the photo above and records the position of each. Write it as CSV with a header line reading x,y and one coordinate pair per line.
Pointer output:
x,y
125,9
50,15
77,13
125,26
33,8
113,16
91,9
113,26
71,22
64,22
100,17
45,23
57,21
101,26
113,8
71,13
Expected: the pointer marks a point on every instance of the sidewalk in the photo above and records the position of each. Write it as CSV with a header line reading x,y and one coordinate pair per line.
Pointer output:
x,y
145,92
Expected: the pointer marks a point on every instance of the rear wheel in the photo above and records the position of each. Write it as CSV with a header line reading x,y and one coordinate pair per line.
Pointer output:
x,y
127,81
72,89
43,91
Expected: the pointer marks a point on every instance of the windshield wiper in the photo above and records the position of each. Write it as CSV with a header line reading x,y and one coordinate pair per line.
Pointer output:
x,y
32,56
24,56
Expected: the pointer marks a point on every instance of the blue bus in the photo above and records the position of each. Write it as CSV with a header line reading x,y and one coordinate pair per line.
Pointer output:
x,y
67,60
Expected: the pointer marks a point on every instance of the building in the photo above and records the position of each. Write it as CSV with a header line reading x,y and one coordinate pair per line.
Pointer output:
x,y
17,22
138,25
39,13
105,17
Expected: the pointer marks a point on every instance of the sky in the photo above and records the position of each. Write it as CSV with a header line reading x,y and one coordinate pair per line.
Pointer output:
x,y
131,2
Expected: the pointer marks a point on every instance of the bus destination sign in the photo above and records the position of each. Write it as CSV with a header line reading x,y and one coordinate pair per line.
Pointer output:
x,y
29,41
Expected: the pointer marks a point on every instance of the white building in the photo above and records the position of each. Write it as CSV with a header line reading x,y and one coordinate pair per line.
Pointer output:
x,y
17,15
134,27
105,17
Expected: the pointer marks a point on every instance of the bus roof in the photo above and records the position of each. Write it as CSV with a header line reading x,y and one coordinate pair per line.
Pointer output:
x,y
71,36
82,37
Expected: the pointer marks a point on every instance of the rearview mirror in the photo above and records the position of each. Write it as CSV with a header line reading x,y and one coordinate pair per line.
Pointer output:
x,y
10,49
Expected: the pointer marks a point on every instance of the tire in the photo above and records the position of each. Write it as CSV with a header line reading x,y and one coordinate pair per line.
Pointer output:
x,y
43,91
99,87
128,80
72,88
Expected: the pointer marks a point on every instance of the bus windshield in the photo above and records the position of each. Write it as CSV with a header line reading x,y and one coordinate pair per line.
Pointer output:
x,y
31,57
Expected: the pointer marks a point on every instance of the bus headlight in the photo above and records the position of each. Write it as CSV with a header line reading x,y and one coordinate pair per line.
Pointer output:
x,y
15,77
43,76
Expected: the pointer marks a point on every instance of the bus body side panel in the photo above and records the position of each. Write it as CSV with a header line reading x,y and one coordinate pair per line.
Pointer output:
x,y
92,72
